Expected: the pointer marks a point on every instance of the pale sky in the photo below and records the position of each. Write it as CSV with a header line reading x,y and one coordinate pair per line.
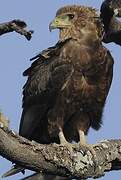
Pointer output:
x,y
15,52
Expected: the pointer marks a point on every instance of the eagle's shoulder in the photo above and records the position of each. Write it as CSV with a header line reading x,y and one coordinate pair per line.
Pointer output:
x,y
45,74
45,57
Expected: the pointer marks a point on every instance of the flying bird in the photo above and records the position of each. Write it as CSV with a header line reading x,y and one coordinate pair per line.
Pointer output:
x,y
68,83
110,10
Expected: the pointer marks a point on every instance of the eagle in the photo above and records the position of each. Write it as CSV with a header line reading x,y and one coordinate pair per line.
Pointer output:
x,y
109,11
68,83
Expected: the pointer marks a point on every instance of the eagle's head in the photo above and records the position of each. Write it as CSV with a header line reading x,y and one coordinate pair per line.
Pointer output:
x,y
77,22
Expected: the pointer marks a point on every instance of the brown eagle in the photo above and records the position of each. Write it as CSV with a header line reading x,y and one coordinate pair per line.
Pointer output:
x,y
68,83
110,9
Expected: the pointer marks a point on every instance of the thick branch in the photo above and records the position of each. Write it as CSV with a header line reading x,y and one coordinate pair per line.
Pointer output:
x,y
57,160
17,26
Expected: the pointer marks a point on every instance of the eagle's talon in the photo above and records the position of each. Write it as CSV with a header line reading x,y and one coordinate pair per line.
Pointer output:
x,y
84,145
69,146
64,142
90,148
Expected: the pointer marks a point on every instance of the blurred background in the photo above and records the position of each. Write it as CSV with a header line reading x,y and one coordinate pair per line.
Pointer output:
x,y
15,52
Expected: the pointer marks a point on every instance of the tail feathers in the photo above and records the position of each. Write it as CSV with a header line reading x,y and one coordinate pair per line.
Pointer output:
x,y
14,170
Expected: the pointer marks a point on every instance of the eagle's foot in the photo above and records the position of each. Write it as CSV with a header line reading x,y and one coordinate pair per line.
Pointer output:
x,y
65,143
88,148
69,146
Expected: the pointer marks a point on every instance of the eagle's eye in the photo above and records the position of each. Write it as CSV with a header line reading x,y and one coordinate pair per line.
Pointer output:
x,y
71,16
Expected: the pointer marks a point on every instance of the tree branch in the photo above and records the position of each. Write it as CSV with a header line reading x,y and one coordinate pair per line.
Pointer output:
x,y
17,26
56,160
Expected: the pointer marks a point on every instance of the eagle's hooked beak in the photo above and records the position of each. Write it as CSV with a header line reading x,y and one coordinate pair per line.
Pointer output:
x,y
56,23
52,25
59,23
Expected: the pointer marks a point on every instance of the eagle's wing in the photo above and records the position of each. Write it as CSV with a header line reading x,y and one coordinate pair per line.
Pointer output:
x,y
46,76
110,9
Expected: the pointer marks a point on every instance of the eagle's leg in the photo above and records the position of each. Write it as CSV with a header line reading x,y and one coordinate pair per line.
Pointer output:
x,y
82,138
64,142
90,147
62,137
84,143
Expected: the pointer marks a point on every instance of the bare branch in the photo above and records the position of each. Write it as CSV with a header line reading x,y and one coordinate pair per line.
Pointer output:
x,y
17,26
57,160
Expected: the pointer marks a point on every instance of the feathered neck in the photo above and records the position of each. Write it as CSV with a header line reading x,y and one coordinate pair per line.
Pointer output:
x,y
67,33
74,32
84,36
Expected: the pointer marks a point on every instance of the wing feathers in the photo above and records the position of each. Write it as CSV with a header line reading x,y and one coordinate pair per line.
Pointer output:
x,y
46,77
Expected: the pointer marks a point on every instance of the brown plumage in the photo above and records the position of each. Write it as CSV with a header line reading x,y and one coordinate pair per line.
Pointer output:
x,y
68,84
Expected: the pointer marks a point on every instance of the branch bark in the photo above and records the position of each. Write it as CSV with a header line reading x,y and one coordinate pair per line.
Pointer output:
x,y
17,26
56,160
